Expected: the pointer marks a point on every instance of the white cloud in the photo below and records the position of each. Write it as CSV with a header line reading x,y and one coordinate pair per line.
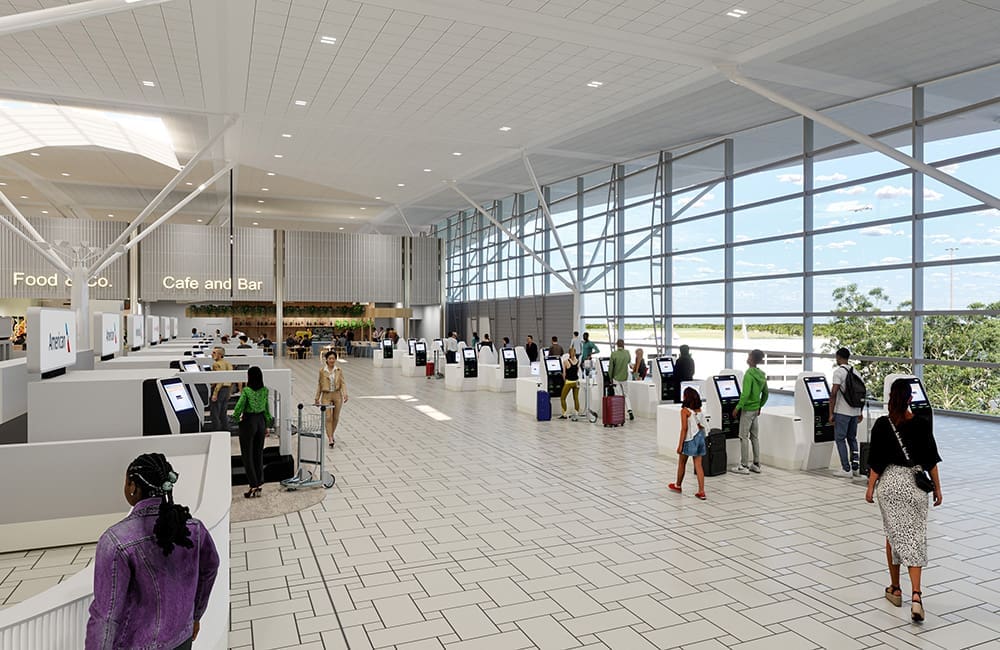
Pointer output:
x,y
695,260
941,238
892,192
848,206
835,177
755,265
949,169
706,269
991,212
890,260
854,189
741,238
880,231
837,245
795,179
700,203
931,195
973,241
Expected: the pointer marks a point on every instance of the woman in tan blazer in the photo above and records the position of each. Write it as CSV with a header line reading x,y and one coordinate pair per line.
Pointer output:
x,y
331,390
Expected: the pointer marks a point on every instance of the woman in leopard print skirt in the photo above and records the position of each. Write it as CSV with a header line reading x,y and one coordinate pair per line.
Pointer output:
x,y
903,504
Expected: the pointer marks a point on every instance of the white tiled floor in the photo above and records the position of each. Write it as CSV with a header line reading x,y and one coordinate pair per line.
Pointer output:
x,y
457,522
26,573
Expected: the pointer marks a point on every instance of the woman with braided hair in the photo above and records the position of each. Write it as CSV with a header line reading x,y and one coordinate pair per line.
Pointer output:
x,y
153,570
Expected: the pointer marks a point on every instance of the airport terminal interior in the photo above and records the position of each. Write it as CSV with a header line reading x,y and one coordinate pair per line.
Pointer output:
x,y
445,195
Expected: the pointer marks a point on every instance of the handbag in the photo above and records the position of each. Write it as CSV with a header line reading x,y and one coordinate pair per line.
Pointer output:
x,y
920,476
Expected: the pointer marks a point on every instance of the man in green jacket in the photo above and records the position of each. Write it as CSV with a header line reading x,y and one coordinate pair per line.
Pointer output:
x,y
752,398
618,372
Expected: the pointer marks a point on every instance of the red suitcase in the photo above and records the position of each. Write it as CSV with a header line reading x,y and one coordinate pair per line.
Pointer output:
x,y
613,410
430,369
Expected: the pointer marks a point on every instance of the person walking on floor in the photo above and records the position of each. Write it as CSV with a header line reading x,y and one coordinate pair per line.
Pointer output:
x,y
253,411
531,349
571,382
220,391
331,390
556,350
901,446
844,417
153,570
451,348
752,399
618,369
692,443
575,342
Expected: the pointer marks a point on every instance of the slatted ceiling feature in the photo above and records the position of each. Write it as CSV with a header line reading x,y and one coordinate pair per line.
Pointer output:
x,y
425,273
203,254
24,259
333,267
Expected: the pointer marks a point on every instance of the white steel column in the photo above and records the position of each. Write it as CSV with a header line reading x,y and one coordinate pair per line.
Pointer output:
x,y
862,138
36,241
403,217
27,21
543,203
279,293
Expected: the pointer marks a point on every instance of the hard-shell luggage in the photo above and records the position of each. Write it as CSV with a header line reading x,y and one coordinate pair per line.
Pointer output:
x,y
714,462
429,369
543,410
613,410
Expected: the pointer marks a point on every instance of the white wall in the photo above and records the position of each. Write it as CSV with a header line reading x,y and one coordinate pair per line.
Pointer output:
x,y
429,326
184,324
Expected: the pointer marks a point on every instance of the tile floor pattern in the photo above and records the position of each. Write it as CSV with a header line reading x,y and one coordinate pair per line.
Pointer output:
x,y
26,573
459,523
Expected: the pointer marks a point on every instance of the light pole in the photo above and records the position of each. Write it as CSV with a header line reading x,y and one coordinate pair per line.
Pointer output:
x,y
951,277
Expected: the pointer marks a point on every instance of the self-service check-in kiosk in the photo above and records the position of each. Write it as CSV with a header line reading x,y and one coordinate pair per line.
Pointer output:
x,y
169,407
605,363
410,345
469,362
554,375
386,349
727,389
419,351
819,394
920,404
509,358
664,377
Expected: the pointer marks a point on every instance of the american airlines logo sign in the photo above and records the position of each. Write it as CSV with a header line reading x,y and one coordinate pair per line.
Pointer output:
x,y
60,341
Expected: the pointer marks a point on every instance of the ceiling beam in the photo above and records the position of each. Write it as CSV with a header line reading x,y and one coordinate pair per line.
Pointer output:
x,y
28,21
63,204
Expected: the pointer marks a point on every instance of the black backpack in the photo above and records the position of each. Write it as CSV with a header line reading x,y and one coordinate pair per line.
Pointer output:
x,y
854,391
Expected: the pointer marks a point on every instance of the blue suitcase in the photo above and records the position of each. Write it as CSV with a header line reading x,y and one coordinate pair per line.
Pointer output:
x,y
544,407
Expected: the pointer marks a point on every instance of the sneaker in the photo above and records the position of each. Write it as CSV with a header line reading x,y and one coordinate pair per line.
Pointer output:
x,y
755,468
631,415
563,417
741,469
843,473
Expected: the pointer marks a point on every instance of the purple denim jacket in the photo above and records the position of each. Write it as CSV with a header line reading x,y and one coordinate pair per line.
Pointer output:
x,y
143,599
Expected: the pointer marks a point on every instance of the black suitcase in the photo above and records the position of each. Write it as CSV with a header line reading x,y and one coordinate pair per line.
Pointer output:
x,y
865,447
714,462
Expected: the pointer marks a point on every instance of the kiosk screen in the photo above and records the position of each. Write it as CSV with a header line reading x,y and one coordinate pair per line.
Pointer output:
x,y
604,365
727,388
818,390
468,353
508,354
411,343
420,347
386,343
190,366
553,365
178,395
696,385
666,366
438,343
917,389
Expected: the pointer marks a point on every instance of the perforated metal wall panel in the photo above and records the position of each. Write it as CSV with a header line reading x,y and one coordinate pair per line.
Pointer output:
x,y
425,287
24,273
322,266
182,262
540,316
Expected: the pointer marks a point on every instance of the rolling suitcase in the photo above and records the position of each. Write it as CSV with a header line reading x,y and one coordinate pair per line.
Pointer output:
x,y
865,447
714,462
543,410
429,369
613,410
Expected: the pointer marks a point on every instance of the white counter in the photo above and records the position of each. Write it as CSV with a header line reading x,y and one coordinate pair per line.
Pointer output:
x,y
526,391
645,398
491,378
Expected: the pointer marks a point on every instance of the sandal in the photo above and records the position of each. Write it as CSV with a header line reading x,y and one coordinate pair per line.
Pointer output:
x,y
894,595
674,487
917,607
700,495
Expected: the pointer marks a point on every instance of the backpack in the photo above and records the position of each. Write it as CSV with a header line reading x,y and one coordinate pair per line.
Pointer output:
x,y
854,391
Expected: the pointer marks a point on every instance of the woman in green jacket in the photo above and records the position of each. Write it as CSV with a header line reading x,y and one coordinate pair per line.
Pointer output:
x,y
255,410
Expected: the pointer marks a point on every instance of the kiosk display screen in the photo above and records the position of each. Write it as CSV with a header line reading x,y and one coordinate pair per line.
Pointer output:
x,y
438,343
411,343
696,385
817,388
553,365
605,362
468,353
508,354
386,343
177,395
727,388
190,366
917,390
666,366
420,347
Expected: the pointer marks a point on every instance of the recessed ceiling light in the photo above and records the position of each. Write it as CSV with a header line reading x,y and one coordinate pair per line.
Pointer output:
x,y
354,217
278,155
257,211
286,135
260,200
400,184
595,84
189,183
736,13
255,223
378,198
270,173
328,40
64,174
340,228
23,196
35,154
456,153
201,220
149,84
45,211
428,170
300,102
3,184
505,128
264,189
110,216
363,208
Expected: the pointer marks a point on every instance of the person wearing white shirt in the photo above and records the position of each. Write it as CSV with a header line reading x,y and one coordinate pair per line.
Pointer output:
x,y
451,348
577,344
845,418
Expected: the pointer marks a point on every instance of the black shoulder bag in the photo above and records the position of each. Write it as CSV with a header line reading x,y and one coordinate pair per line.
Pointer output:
x,y
922,478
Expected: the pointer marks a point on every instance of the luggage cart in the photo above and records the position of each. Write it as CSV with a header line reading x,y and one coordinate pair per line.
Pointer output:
x,y
588,413
311,426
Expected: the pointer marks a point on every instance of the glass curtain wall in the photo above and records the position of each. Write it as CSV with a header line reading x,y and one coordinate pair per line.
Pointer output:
x,y
786,238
